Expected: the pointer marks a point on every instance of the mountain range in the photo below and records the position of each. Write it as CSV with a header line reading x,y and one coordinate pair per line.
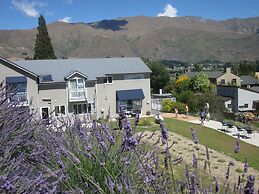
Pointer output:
x,y
189,39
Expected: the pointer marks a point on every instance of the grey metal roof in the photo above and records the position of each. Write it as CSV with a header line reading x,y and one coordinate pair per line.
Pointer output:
x,y
92,67
248,80
211,74
255,88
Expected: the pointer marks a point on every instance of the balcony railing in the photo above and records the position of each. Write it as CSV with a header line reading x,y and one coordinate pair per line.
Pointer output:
x,y
76,95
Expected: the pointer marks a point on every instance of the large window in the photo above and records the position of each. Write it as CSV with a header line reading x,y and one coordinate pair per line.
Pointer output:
x,y
17,88
77,88
60,110
134,76
130,105
83,108
77,84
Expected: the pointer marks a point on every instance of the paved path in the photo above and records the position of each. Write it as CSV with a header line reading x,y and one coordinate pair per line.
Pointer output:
x,y
254,137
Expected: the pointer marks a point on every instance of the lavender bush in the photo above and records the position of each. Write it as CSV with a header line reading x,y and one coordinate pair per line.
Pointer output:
x,y
74,155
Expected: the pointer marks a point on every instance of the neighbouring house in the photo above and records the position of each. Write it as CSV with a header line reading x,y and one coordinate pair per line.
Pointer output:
x,y
220,77
242,99
96,86
249,81
157,100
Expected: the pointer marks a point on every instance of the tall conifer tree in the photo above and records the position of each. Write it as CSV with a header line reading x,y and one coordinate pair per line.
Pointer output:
x,y
43,48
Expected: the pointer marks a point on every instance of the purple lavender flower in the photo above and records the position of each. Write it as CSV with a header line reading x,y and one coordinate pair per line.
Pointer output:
x,y
194,137
193,186
99,137
166,162
245,167
228,171
205,165
216,185
163,132
110,184
7,186
237,146
195,161
249,188
108,136
129,139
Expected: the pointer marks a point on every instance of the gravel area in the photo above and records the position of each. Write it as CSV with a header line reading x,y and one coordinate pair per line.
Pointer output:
x,y
219,161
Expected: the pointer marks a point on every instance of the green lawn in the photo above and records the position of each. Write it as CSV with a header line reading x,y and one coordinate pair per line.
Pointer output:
x,y
214,140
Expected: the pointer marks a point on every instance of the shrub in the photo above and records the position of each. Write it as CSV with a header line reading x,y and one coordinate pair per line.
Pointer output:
x,y
169,105
79,156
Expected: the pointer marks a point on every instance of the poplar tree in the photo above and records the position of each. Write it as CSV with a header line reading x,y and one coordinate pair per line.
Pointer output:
x,y
43,48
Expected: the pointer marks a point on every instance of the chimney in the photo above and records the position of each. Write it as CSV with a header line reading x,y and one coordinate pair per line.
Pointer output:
x,y
228,70
160,91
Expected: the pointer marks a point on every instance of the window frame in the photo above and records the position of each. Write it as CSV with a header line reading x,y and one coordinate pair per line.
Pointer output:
x,y
59,110
78,86
41,111
106,79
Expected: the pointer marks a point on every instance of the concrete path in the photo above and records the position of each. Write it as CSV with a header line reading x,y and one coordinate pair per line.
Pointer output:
x,y
253,138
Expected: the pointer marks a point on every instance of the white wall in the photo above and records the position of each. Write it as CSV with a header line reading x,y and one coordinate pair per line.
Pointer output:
x,y
246,97
106,94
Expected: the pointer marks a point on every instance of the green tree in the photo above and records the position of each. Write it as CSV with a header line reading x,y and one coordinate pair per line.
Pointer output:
x,y
200,83
182,83
159,77
43,48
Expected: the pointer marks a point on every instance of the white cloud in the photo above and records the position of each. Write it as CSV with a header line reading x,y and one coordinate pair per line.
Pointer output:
x,y
29,8
169,11
66,19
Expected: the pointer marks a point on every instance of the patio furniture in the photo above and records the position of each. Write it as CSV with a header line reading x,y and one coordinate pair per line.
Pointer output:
x,y
229,128
224,127
243,133
239,128
249,131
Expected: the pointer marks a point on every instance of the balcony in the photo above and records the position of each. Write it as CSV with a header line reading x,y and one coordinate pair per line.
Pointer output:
x,y
20,97
77,95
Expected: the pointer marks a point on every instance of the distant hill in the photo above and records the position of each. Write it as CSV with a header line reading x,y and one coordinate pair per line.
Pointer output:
x,y
189,39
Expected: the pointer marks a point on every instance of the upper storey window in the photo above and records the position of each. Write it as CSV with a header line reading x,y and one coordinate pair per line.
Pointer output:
x,y
108,80
134,76
77,84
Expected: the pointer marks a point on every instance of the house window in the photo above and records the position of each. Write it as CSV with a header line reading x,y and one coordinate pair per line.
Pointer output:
x,y
17,88
108,80
130,105
222,81
80,108
45,113
229,106
134,76
234,81
245,105
60,110
77,84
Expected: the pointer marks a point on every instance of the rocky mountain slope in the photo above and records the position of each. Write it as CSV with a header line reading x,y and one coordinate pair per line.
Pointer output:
x,y
190,39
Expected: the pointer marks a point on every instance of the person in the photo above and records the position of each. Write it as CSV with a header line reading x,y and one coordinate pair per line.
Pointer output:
x,y
187,111
202,116
206,110
176,112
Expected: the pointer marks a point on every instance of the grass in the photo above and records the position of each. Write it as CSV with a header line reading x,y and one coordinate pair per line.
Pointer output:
x,y
213,139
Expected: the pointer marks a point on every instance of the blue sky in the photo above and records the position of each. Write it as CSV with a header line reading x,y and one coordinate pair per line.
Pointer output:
x,y
23,14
